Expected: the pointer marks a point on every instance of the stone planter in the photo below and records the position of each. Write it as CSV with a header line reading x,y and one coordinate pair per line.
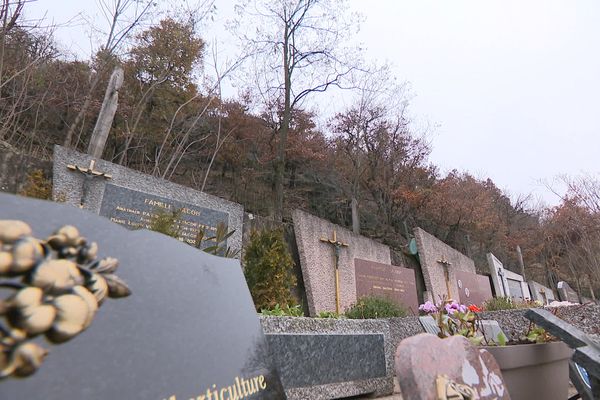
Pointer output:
x,y
534,371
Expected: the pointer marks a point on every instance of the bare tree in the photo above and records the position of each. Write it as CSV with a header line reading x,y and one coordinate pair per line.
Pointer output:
x,y
300,48
122,16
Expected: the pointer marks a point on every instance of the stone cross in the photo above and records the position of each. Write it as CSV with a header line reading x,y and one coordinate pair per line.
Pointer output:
x,y
337,245
88,173
107,114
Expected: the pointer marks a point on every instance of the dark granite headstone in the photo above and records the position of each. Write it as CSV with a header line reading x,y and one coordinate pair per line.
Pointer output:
x,y
310,360
473,288
395,283
189,327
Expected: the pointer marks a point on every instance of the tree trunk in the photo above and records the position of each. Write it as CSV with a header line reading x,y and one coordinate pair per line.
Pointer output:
x,y
284,128
355,217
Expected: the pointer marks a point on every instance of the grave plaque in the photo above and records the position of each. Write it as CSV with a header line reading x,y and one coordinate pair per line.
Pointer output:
x,y
395,283
188,330
130,197
515,289
473,288
134,210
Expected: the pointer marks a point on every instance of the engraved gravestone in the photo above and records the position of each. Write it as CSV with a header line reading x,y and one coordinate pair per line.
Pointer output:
x,y
473,288
188,330
566,292
515,289
395,283
132,199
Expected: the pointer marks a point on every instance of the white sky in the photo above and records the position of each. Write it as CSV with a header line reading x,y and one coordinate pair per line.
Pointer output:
x,y
513,86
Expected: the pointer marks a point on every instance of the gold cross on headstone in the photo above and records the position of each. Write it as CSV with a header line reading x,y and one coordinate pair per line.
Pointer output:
x,y
337,245
445,263
88,174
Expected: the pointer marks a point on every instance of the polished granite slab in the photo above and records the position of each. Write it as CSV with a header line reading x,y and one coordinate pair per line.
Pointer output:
x,y
188,329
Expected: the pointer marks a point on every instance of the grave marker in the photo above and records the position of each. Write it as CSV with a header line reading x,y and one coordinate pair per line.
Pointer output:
x,y
318,264
473,288
540,293
395,283
131,198
188,329
507,283
440,263
566,293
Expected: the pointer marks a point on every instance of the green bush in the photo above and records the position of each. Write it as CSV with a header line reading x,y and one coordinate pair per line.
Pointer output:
x,y
37,186
375,307
268,268
329,314
285,311
508,303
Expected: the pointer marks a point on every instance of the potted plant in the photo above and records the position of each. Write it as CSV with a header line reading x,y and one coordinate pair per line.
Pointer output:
x,y
536,366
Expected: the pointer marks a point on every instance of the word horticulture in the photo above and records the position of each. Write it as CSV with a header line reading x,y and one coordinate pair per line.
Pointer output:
x,y
241,389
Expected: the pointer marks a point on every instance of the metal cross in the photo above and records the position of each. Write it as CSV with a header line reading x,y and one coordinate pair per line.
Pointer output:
x,y
446,264
337,245
89,173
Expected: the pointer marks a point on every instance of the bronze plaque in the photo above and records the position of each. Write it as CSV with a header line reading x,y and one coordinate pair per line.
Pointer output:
x,y
395,283
473,288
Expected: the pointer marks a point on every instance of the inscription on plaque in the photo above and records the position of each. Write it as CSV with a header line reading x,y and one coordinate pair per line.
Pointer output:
x,y
395,283
473,288
515,289
135,210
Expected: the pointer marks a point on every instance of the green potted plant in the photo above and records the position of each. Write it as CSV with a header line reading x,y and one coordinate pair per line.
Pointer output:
x,y
535,366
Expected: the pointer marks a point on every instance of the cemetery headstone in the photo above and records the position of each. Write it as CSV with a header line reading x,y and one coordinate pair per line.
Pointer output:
x,y
318,259
566,293
428,366
507,283
473,288
395,283
541,293
133,199
439,263
188,330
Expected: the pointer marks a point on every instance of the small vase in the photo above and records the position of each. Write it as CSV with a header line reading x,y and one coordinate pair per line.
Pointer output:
x,y
534,371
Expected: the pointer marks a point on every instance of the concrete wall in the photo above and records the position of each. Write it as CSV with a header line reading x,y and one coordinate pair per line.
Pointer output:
x,y
431,250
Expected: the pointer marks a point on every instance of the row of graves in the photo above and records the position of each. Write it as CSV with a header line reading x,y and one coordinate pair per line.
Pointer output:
x,y
178,323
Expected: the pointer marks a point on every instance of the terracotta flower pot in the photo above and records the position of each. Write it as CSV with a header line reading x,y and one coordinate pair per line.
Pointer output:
x,y
534,371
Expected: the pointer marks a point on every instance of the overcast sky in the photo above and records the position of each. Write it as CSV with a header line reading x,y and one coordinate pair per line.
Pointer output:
x,y
512,86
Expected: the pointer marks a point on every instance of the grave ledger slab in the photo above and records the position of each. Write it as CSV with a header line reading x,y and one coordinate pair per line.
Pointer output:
x,y
189,327
131,198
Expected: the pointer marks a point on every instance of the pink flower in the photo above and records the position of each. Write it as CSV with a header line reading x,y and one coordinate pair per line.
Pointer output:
x,y
428,307
453,307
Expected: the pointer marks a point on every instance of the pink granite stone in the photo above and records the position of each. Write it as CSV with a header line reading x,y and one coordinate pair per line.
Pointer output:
x,y
421,358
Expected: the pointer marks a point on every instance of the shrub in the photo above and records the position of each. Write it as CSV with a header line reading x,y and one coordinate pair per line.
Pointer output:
x,y
375,307
166,222
285,311
268,268
508,303
37,186
329,314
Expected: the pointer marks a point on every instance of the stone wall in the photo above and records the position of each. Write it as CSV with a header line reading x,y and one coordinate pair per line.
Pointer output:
x,y
432,250
317,261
